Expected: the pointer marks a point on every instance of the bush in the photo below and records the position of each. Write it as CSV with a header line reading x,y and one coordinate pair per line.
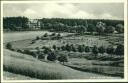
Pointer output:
x,y
45,35
87,49
46,50
51,56
110,50
63,59
80,48
101,50
119,50
37,38
53,34
54,47
9,46
95,50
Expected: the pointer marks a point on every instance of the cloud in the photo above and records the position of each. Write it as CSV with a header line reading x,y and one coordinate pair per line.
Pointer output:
x,y
61,10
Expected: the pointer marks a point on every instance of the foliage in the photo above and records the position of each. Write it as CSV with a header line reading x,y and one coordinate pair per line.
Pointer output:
x,y
64,25
110,50
63,59
37,37
51,56
46,50
91,28
15,23
119,50
109,29
100,27
87,49
45,35
9,46
54,47
80,48
119,28
101,50
95,50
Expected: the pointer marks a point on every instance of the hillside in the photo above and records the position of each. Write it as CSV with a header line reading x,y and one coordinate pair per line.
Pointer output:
x,y
29,66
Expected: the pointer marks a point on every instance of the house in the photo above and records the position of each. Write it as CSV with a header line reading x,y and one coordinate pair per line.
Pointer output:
x,y
34,24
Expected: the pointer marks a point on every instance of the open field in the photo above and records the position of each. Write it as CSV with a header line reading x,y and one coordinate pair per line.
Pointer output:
x,y
87,40
42,70
15,36
13,76
78,67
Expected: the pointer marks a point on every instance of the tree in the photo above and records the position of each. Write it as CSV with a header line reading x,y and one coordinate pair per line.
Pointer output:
x,y
100,27
67,47
46,50
37,38
9,46
45,35
54,47
63,59
101,50
87,49
110,50
119,50
73,48
119,28
63,48
51,56
53,34
109,29
80,48
91,28
81,29
95,50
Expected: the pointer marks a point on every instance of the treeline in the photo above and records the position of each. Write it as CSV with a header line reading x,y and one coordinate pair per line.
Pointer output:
x,y
15,23
65,25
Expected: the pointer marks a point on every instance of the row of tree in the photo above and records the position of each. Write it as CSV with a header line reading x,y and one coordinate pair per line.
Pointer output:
x,y
67,25
119,50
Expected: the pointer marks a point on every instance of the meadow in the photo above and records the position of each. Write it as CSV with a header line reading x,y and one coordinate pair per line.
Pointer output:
x,y
76,68
26,65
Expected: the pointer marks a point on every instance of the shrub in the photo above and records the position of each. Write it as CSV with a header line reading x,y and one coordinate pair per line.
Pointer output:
x,y
95,50
37,38
53,34
46,50
80,48
119,50
51,56
101,49
63,59
9,46
110,50
54,47
45,35
87,49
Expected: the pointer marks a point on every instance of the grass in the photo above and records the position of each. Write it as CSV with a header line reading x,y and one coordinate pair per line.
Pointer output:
x,y
12,76
29,66
103,67
41,70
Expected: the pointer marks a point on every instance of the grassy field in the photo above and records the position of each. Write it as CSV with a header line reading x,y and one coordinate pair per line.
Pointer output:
x,y
13,76
27,65
87,40
15,36
13,62
96,66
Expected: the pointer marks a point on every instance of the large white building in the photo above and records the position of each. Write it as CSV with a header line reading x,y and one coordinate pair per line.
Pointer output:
x,y
34,24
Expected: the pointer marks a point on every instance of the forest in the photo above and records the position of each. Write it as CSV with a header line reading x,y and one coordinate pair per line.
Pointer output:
x,y
64,25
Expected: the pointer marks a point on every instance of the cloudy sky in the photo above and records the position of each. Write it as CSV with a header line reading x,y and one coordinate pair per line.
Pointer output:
x,y
65,10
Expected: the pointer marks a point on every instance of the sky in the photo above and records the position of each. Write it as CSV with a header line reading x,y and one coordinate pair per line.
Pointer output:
x,y
65,10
